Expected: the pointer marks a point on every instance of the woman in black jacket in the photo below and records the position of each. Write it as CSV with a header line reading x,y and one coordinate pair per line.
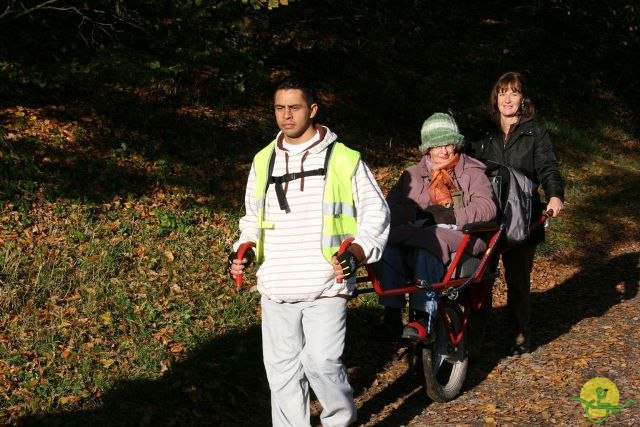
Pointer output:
x,y
518,140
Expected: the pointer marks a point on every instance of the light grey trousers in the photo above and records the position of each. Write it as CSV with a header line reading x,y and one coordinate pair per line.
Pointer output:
x,y
302,346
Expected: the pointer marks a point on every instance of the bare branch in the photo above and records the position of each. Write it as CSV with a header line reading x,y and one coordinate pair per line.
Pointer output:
x,y
41,6
102,21
6,11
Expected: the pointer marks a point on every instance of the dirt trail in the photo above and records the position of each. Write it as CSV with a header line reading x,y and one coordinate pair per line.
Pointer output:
x,y
586,324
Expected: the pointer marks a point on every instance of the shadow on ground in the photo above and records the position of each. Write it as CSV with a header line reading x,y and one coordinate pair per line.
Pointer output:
x,y
221,383
601,284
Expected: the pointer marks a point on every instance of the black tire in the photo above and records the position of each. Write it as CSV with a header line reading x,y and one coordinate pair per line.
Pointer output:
x,y
445,366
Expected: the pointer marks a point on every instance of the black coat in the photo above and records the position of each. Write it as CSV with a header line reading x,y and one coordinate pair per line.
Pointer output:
x,y
529,149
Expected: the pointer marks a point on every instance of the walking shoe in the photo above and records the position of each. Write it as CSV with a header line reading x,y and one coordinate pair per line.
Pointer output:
x,y
521,346
519,350
416,330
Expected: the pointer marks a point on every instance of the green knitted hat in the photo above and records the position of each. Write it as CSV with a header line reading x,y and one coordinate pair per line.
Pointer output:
x,y
438,130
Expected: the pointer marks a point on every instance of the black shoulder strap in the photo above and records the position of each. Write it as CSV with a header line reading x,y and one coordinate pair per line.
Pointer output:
x,y
279,180
327,156
272,161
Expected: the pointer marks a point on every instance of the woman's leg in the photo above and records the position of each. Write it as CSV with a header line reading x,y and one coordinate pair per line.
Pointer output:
x,y
518,263
430,268
426,267
391,271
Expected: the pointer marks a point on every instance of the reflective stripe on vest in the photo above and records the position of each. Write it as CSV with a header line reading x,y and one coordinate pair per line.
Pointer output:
x,y
338,208
261,167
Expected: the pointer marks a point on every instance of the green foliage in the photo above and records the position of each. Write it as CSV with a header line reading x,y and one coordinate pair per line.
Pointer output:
x,y
168,222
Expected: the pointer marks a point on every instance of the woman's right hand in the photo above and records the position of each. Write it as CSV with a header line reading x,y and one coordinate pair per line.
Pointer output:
x,y
439,214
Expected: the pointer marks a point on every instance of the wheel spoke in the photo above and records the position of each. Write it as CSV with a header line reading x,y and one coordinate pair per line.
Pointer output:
x,y
438,360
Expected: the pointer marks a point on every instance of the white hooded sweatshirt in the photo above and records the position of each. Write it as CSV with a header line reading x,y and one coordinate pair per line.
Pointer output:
x,y
294,268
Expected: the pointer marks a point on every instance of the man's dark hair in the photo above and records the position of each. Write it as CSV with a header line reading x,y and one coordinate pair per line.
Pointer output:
x,y
308,92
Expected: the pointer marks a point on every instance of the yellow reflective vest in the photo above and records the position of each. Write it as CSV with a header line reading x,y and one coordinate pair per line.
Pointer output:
x,y
338,206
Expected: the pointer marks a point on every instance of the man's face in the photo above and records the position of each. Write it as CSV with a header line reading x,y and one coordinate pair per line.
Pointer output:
x,y
293,115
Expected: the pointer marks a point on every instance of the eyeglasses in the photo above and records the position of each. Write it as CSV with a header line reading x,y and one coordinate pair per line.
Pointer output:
x,y
449,147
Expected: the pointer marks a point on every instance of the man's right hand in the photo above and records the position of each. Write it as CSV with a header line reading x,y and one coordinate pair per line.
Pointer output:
x,y
237,266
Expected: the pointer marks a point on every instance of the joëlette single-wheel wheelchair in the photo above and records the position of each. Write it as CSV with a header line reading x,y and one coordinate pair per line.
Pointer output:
x,y
461,296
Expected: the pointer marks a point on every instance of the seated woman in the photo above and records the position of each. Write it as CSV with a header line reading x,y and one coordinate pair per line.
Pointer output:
x,y
430,204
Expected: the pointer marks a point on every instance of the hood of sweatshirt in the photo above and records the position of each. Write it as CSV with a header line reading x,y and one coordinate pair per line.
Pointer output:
x,y
325,138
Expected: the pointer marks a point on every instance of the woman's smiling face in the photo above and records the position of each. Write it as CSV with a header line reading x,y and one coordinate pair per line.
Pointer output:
x,y
509,101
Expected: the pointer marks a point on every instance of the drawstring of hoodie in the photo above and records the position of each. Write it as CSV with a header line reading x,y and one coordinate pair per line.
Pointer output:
x,y
302,174
304,157
281,192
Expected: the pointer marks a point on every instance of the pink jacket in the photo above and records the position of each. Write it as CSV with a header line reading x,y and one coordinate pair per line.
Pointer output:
x,y
411,192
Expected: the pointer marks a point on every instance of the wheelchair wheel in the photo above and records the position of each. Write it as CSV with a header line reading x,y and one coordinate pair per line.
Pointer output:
x,y
445,366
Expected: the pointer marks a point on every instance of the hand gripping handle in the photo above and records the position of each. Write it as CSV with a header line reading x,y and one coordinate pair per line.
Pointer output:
x,y
242,249
538,222
343,247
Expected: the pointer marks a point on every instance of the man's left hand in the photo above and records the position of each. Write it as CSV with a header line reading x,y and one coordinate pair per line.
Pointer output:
x,y
345,264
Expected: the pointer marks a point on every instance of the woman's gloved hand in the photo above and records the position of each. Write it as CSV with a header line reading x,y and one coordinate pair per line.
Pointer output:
x,y
439,214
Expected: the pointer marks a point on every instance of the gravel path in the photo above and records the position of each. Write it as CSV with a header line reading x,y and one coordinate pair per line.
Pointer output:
x,y
587,326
